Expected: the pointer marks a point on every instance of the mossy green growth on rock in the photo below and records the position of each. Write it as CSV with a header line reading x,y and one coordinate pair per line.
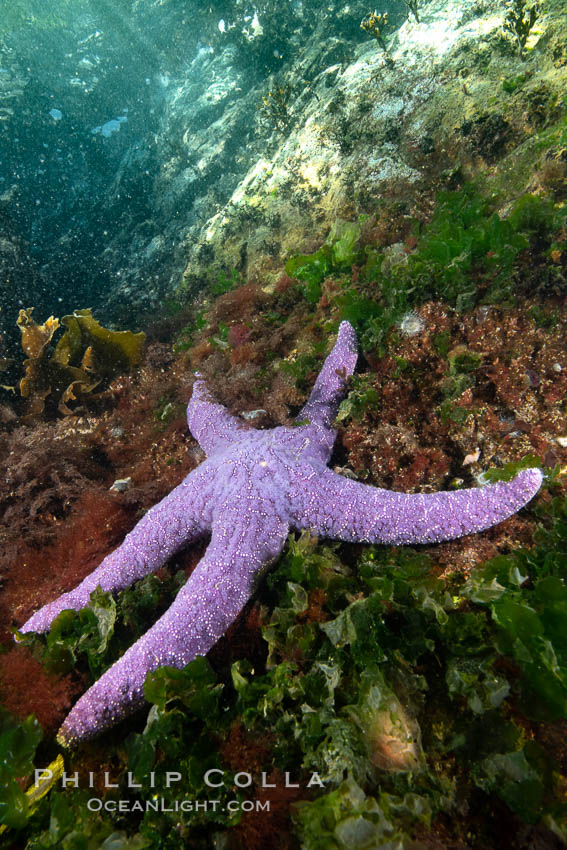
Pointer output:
x,y
465,252
537,217
185,337
511,84
225,283
301,367
462,360
20,13
337,255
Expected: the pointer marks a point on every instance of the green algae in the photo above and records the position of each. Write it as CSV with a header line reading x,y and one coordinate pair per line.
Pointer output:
x,y
361,398
303,365
467,250
376,670
226,283
18,744
337,255
185,337
466,254
512,84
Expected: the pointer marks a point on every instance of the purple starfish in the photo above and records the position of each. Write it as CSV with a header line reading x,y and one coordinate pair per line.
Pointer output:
x,y
254,487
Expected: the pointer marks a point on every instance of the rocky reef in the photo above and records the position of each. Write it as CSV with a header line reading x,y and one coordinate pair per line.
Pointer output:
x,y
267,172
248,150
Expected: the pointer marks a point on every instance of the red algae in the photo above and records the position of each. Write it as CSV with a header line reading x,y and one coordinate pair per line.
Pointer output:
x,y
50,697
243,750
59,517
36,574
269,830
427,425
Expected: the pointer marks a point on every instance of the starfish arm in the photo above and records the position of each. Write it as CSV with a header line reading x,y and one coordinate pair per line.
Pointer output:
x,y
337,507
322,405
163,530
210,423
211,599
